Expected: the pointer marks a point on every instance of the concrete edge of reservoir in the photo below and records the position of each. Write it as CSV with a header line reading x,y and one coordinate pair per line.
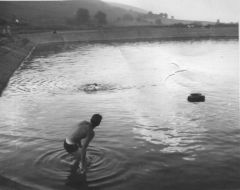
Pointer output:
x,y
17,48
12,54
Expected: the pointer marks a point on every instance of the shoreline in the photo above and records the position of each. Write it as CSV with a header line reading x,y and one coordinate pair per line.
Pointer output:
x,y
131,34
21,46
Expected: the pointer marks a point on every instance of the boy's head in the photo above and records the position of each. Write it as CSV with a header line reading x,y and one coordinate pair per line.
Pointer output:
x,y
96,120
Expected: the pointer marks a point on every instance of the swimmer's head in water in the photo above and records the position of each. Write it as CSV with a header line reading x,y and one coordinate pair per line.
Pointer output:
x,y
96,120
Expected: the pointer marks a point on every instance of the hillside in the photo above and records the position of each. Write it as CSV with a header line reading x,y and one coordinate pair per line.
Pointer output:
x,y
55,12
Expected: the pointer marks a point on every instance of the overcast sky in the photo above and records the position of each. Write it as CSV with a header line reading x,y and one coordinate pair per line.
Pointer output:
x,y
209,10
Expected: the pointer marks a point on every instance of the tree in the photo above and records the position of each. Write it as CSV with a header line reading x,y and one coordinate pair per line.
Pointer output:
x,y
165,15
128,17
82,16
100,18
139,18
150,13
158,21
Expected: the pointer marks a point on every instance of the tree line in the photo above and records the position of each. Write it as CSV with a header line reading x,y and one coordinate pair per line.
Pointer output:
x,y
82,17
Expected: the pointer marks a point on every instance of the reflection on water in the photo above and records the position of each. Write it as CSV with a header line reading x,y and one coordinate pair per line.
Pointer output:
x,y
150,134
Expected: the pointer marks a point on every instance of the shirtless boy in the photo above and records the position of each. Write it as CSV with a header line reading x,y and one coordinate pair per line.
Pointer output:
x,y
80,137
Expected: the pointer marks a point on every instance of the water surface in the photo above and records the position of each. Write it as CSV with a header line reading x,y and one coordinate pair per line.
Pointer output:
x,y
150,136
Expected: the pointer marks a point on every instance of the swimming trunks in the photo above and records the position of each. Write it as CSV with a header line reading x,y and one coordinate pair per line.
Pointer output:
x,y
70,148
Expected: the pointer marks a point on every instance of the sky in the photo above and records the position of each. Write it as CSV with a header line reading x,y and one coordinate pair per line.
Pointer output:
x,y
205,10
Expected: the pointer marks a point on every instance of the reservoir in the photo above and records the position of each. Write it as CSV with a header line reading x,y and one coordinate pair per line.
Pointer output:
x,y
150,137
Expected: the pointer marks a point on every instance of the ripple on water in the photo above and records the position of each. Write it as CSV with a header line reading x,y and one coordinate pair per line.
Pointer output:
x,y
105,167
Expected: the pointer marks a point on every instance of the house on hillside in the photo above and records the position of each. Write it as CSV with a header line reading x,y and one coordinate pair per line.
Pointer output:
x,y
151,19
156,19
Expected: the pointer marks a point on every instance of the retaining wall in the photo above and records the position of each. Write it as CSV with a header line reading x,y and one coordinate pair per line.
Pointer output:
x,y
11,56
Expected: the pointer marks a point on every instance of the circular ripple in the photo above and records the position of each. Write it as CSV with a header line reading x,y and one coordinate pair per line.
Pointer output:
x,y
94,87
105,166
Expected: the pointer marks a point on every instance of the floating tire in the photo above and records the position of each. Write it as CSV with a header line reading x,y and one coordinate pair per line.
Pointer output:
x,y
196,97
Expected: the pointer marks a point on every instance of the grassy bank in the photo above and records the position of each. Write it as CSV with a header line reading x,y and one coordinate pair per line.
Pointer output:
x,y
132,33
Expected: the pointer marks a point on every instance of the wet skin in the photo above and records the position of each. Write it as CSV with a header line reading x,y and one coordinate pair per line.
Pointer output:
x,y
81,135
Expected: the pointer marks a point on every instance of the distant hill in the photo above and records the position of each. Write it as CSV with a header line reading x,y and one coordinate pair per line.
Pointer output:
x,y
173,21
55,12
177,21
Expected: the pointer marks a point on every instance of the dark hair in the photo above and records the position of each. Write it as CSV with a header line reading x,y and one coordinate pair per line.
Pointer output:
x,y
96,120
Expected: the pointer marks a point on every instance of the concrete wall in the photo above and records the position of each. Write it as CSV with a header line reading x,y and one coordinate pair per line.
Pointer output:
x,y
12,54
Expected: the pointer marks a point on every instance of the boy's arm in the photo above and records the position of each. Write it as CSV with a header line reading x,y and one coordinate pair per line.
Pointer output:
x,y
84,150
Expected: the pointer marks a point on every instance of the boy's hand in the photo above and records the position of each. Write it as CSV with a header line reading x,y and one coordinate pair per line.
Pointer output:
x,y
82,169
